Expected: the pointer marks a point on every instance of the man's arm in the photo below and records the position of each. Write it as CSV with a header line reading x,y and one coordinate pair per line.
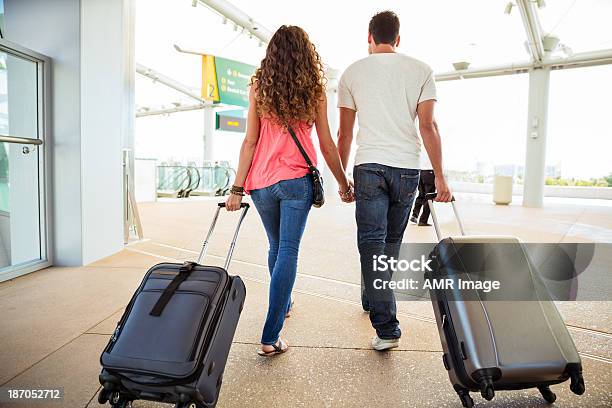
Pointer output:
x,y
433,145
345,134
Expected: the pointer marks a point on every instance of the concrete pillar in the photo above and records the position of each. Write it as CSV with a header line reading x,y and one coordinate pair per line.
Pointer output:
x,y
333,75
91,45
535,156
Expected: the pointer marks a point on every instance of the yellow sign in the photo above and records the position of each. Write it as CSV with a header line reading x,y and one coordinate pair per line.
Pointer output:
x,y
226,81
210,91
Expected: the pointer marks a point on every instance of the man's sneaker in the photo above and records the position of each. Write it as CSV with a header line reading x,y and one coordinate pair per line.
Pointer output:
x,y
414,220
384,344
424,224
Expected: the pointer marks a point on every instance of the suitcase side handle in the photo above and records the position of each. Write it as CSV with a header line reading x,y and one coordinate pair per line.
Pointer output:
x,y
430,201
245,207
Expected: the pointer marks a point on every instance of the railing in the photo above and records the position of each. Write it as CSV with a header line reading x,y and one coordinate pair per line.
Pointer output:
x,y
177,181
182,181
216,180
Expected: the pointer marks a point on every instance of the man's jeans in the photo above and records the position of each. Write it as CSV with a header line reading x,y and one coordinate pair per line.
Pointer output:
x,y
283,208
384,197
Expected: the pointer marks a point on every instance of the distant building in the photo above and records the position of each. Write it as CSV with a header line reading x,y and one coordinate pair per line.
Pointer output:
x,y
553,171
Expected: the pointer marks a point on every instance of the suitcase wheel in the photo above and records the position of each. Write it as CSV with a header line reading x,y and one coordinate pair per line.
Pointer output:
x,y
186,405
104,396
547,394
466,400
115,398
118,401
577,383
487,391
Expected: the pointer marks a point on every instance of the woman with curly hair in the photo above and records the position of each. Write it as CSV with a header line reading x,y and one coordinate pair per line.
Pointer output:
x,y
287,93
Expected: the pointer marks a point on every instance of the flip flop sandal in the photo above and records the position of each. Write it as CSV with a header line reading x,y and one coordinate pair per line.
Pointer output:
x,y
278,349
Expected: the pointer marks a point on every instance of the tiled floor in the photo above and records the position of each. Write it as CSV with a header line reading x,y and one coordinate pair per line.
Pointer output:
x,y
55,322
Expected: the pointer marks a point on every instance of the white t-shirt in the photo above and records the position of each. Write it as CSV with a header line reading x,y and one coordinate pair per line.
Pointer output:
x,y
385,89
425,162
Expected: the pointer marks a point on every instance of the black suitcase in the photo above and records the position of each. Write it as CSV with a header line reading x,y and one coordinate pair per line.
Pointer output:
x,y
510,340
172,342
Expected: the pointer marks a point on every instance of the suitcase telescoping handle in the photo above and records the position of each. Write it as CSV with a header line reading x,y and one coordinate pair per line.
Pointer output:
x,y
430,200
245,208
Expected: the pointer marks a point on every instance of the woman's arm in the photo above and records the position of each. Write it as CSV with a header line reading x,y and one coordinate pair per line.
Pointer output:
x,y
246,152
328,147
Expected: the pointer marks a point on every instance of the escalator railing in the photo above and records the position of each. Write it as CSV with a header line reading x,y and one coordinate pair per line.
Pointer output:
x,y
183,181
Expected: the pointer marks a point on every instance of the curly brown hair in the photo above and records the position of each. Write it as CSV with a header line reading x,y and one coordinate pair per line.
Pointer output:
x,y
290,82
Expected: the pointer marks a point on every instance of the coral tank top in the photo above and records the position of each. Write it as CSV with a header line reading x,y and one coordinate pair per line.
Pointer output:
x,y
276,156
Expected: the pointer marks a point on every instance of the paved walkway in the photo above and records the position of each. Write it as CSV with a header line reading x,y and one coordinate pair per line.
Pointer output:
x,y
55,322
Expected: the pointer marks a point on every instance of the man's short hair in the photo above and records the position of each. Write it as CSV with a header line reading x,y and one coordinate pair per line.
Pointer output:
x,y
384,27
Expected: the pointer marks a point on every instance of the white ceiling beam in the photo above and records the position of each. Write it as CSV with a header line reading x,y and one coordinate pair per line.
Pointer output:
x,y
169,82
494,70
578,60
240,18
531,22
167,111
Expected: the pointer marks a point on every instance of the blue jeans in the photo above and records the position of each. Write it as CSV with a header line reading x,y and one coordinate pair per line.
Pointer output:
x,y
384,197
283,208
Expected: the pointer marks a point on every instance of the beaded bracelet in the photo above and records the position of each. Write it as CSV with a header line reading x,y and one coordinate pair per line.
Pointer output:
x,y
236,190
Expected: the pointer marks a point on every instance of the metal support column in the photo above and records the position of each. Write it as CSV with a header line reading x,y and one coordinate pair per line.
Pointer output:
x,y
535,156
209,131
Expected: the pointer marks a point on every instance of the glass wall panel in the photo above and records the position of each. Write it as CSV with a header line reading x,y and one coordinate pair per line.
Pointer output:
x,y
579,126
483,125
22,205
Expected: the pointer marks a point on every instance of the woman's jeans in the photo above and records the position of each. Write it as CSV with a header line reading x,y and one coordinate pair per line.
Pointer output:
x,y
383,197
283,208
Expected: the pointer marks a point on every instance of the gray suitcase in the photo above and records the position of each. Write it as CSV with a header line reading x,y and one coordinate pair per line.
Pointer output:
x,y
172,342
496,342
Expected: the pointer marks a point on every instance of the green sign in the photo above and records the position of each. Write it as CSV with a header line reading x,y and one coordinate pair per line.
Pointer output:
x,y
226,81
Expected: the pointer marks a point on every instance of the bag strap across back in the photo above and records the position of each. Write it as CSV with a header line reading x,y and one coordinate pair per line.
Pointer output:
x,y
299,146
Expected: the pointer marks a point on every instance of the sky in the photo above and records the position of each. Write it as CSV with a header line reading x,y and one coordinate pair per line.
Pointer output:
x,y
482,120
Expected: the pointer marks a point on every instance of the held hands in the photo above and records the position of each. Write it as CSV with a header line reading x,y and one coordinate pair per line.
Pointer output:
x,y
347,193
444,193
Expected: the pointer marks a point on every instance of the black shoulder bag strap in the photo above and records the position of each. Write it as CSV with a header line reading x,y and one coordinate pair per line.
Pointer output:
x,y
318,196
184,272
299,145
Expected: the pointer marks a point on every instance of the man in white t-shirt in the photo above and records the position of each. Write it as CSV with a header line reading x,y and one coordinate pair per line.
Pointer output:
x,y
386,91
